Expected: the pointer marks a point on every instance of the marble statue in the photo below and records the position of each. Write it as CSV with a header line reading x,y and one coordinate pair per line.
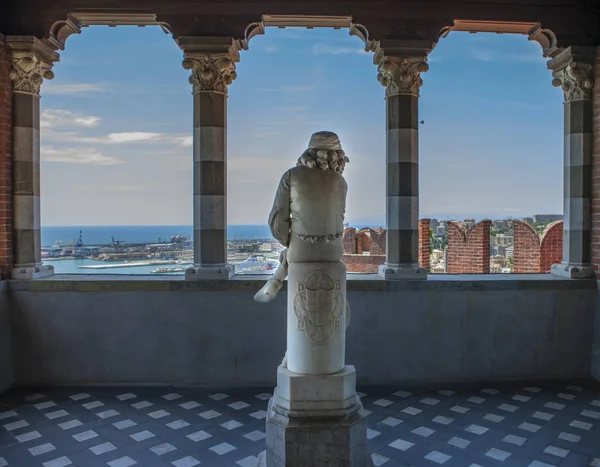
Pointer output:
x,y
308,212
315,417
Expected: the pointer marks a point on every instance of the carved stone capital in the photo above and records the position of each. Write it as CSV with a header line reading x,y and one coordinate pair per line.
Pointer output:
x,y
573,71
211,60
402,76
210,73
31,61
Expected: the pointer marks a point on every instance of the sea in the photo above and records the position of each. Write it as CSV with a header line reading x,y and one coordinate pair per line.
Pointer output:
x,y
104,235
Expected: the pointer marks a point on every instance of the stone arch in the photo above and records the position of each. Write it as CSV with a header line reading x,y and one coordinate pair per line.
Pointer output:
x,y
533,30
62,29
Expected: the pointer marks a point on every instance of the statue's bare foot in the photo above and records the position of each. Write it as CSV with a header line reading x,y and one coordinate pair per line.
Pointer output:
x,y
269,291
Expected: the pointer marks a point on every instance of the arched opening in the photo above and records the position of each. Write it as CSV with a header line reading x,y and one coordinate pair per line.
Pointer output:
x,y
491,147
115,155
290,83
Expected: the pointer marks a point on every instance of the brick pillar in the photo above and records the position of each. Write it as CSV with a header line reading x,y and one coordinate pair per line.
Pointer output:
x,y
526,255
378,241
551,246
469,250
424,243
212,62
596,171
349,241
6,234
401,75
572,70
31,63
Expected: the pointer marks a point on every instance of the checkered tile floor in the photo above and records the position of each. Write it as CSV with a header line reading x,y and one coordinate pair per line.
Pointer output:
x,y
534,425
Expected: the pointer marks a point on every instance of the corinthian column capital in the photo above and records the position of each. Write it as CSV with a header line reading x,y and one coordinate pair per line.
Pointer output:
x,y
31,61
573,71
211,60
402,75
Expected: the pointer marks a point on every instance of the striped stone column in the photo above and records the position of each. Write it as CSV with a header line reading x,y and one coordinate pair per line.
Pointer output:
x,y
31,62
402,80
212,63
572,70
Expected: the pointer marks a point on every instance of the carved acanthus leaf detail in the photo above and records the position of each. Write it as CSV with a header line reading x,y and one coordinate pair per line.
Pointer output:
x,y
211,72
402,76
28,72
576,80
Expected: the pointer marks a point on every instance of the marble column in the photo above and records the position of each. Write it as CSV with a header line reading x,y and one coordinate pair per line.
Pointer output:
x,y
31,63
572,70
212,63
401,77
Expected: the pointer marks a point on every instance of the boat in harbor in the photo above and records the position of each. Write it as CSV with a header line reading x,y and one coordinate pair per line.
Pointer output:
x,y
257,264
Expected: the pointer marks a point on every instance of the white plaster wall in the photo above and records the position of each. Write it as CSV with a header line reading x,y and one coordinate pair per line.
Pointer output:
x,y
6,364
420,333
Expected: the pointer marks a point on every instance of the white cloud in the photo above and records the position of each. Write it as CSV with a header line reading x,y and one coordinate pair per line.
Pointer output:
x,y
64,118
51,87
76,156
186,141
482,55
133,137
321,49
298,88
272,49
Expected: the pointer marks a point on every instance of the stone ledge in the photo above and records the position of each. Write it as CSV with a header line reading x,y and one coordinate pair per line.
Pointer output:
x,y
251,284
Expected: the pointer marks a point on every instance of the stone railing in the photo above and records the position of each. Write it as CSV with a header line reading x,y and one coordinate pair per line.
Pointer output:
x,y
469,250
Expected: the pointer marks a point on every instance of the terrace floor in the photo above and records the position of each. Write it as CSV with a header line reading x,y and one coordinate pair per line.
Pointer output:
x,y
537,425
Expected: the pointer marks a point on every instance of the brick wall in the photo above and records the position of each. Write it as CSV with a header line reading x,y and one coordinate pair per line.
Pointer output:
x,y
365,264
6,252
469,250
551,246
526,257
363,241
596,173
424,243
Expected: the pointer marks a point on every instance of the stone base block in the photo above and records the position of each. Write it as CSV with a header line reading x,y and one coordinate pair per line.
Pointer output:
x,y
315,395
32,272
572,271
198,273
316,442
402,272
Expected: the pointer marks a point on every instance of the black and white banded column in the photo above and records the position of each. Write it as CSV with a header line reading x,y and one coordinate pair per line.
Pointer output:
x,y
31,63
402,80
572,70
212,63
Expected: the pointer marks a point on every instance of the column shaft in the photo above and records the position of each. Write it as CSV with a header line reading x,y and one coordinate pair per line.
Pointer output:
x,y
401,77
26,180
572,70
402,210
31,63
210,179
212,63
577,182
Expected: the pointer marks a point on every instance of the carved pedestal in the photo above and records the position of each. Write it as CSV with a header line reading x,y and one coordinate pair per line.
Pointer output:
x,y
315,417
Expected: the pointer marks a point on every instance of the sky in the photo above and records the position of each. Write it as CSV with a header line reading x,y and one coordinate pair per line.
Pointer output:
x,y
117,124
